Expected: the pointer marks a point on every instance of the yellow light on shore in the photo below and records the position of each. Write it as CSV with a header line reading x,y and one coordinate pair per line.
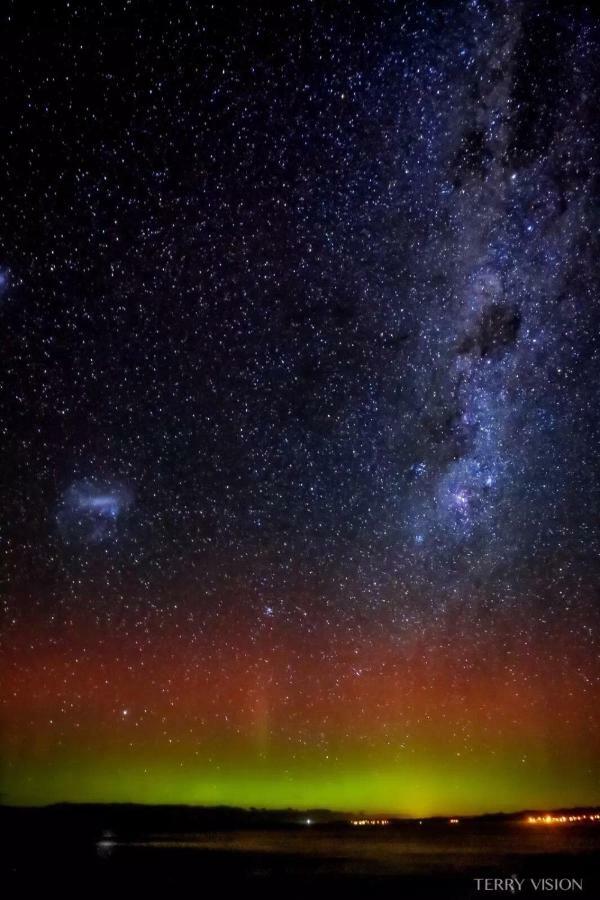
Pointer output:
x,y
369,821
550,819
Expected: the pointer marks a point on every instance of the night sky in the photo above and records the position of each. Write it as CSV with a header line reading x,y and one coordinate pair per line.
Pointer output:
x,y
299,404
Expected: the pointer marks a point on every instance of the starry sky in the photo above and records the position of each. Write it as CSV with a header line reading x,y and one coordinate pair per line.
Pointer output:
x,y
299,422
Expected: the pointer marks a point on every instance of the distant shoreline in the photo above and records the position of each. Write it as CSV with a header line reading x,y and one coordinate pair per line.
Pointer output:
x,y
229,816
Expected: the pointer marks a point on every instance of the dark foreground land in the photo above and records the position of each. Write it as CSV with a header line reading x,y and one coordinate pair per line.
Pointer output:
x,y
178,852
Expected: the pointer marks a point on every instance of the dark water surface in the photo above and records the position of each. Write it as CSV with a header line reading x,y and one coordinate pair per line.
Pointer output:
x,y
406,862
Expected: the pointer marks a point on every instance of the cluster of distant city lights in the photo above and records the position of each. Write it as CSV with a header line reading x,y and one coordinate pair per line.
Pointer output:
x,y
369,821
544,819
549,819
387,821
